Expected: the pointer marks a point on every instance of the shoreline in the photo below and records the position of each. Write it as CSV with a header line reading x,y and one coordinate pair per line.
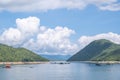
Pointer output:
x,y
15,63
98,62
44,62
103,62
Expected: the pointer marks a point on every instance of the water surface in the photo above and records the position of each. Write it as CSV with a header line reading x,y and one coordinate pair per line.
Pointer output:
x,y
72,71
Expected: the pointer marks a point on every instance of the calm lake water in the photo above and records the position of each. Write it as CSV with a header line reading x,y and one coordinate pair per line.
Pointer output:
x,y
72,71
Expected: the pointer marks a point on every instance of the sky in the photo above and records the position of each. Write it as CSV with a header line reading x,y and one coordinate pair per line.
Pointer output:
x,y
58,26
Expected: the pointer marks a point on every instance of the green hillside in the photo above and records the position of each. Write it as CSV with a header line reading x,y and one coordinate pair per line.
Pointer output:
x,y
10,54
98,50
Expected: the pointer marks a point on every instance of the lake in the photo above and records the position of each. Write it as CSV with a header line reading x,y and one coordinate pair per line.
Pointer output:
x,y
72,71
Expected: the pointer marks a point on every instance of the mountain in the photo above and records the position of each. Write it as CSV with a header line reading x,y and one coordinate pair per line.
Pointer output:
x,y
56,57
10,54
98,50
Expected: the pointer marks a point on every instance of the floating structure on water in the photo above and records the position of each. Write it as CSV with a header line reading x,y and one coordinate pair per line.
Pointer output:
x,y
59,62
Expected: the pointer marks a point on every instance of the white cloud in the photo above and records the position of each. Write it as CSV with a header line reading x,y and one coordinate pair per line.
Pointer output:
x,y
112,7
11,36
29,34
85,40
53,41
44,5
28,26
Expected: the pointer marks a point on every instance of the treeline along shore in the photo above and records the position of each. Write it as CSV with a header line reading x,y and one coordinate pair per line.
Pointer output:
x,y
40,62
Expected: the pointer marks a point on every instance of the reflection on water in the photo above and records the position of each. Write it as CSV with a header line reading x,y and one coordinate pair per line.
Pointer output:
x,y
72,71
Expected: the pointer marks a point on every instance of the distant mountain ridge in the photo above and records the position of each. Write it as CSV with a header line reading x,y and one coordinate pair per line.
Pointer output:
x,y
10,54
98,50
56,57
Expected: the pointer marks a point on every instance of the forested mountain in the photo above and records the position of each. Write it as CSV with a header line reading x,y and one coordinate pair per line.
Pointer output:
x,y
10,54
98,50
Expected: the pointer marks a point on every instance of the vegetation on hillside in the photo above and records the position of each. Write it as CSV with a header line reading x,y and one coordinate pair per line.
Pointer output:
x,y
98,50
10,54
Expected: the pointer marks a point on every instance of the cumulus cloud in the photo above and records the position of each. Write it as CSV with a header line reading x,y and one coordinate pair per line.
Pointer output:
x,y
85,40
44,5
31,35
28,26
11,36
53,41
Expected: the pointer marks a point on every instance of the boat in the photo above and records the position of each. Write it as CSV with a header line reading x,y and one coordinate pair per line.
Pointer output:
x,y
7,66
98,64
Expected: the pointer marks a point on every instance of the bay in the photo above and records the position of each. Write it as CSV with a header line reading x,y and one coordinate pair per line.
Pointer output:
x,y
72,71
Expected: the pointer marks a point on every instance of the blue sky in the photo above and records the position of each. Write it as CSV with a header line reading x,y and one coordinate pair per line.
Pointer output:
x,y
90,21
86,21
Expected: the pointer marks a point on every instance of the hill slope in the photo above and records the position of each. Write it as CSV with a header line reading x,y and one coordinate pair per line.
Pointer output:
x,y
10,54
98,50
